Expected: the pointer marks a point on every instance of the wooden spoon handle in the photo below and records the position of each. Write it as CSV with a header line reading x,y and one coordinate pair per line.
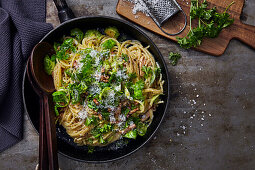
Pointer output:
x,y
246,34
43,149
51,135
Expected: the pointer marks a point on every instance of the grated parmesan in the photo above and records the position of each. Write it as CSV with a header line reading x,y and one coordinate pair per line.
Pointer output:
x,y
112,118
97,75
122,118
140,6
83,114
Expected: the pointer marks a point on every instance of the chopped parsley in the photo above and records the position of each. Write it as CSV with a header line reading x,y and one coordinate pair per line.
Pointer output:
x,y
210,24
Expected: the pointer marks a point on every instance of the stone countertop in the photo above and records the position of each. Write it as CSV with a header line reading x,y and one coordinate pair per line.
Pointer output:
x,y
211,120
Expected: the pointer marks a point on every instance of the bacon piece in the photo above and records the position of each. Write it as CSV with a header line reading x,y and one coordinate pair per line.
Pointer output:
x,y
104,78
129,128
96,102
133,111
75,64
100,117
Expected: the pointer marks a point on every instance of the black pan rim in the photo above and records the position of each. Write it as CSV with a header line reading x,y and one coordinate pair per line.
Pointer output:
x,y
166,81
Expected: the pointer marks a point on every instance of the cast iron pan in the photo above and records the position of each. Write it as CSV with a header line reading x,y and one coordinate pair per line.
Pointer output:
x,y
118,149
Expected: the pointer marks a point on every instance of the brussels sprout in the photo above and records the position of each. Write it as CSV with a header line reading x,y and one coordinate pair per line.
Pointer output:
x,y
93,33
76,90
108,44
131,134
141,129
77,34
112,32
61,98
49,65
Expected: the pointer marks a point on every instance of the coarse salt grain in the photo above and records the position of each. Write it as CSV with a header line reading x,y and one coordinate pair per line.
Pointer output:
x,y
194,102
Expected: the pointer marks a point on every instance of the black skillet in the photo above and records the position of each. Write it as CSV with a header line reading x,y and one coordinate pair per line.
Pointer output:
x,y
123,147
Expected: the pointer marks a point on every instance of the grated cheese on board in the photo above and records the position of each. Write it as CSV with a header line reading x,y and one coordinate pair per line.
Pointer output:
x,y
140,6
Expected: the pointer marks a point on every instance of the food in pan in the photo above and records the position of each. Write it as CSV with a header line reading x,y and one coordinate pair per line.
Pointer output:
x,y
105,89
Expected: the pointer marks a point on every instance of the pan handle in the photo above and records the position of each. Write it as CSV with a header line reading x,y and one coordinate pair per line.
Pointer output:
x,y
64,12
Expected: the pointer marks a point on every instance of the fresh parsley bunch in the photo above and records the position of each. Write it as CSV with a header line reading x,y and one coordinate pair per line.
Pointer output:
x,y
210,24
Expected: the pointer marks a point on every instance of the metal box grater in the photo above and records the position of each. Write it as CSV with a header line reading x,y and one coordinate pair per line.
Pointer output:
x,y
161,10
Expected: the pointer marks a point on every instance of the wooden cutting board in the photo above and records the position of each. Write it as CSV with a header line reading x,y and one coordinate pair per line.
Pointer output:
x,y
216,46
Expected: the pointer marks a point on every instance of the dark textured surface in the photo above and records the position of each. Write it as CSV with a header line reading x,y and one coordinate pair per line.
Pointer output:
x,y
215,131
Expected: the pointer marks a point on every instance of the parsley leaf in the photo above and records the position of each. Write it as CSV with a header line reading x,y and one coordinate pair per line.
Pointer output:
x,y
92,120
125,57
174,57
138,90
147,71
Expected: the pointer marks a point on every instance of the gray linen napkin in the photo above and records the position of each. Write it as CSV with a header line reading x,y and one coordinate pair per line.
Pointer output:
x,y
22,25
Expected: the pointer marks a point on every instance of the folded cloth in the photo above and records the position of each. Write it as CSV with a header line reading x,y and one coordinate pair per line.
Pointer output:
x,y
22,25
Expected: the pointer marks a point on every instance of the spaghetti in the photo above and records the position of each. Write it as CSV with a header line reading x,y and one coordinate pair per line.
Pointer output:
x,y
105,89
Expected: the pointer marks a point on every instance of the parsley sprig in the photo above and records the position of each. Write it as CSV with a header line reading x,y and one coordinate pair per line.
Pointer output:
x,y
174,57
210,24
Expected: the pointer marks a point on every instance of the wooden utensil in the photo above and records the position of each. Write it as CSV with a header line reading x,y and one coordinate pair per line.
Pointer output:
x,y
46,87
43,148
216,46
